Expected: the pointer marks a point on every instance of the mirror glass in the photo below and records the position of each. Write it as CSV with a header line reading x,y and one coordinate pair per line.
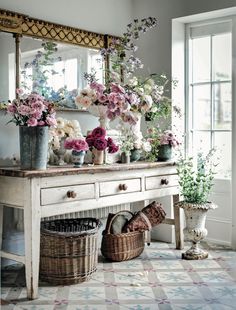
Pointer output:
x,y
7,65
53,69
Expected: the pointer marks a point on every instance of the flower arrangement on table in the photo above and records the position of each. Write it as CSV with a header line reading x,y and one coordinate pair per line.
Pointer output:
x,y
31,110
98,142
78,146
136,96
162,143
64,129
132,144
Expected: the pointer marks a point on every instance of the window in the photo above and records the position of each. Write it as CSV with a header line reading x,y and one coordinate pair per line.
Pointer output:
x,y
209,95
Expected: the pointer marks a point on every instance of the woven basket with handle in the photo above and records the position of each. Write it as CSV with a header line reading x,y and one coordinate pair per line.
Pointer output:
x,y
124,246
68,250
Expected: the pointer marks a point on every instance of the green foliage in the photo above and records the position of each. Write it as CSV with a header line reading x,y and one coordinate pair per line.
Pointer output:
x,y
196,180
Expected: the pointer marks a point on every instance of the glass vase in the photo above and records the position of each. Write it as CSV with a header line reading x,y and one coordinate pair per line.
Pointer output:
x,y
100,111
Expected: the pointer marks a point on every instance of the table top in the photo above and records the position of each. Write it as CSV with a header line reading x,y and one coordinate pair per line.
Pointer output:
x,y
14,171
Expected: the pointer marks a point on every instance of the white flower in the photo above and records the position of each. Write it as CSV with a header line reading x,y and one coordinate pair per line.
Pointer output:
x,y
147,146
133,81
60,122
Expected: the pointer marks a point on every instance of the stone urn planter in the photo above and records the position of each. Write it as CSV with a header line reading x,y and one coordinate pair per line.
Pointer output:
x,y
195,231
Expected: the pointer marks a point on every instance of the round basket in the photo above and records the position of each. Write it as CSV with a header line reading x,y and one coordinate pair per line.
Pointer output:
x,y
68,250
124,246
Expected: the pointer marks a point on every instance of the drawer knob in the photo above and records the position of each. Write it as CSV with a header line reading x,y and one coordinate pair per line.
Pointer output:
x,y
123,187
164,182
71,194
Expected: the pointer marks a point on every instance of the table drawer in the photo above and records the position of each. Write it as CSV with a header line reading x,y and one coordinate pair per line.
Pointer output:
x,y
161,182
119,187
67,193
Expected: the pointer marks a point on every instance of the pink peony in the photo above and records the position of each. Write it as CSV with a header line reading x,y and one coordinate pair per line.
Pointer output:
x,y
51,121
100,144
98,132
80,145
117,88
97,86
113,148
90,140
68,144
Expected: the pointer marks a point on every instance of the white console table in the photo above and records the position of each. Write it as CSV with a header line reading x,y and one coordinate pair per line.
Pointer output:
x,y
62,190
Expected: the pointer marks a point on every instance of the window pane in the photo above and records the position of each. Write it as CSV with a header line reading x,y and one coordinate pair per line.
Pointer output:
x,y
222,106
201,59
223,145
221,57
202,107
201,142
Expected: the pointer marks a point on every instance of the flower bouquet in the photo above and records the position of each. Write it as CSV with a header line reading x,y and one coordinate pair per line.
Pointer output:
x,y
33,114
78,146
98,143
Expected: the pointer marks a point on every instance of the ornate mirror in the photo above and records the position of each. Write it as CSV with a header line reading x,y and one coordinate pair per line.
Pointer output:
x,y
47,57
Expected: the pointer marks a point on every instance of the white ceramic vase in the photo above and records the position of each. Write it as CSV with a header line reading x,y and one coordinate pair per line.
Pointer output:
x,y
100,111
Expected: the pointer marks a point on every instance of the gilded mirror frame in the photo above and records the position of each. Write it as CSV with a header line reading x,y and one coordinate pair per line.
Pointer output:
x,y
23,25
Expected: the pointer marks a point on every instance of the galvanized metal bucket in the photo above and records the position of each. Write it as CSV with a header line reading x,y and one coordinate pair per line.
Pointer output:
x,y
33,147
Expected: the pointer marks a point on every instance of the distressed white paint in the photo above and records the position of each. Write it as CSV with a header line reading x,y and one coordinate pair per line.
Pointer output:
x,y
34,209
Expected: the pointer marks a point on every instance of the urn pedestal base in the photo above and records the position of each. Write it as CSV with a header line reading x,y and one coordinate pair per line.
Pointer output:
x,y
195,253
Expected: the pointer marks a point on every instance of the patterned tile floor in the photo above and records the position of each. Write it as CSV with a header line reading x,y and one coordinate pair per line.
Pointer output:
x,y
158,279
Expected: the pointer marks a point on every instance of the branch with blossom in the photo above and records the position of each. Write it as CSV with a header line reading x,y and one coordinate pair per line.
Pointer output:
x,y
31,110
137,95
98,140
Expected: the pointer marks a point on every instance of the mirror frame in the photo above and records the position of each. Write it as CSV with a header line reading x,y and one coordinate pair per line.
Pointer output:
x,y
23,25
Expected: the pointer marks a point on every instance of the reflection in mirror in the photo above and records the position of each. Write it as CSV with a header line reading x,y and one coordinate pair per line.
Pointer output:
x,y
56,70
7,65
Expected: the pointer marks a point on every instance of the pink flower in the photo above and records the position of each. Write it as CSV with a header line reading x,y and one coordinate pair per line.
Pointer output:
x,y
68,144
117,88
41,123
98,132
100,144
11,108
97,86
38,105
32,122
113,148
51,121
76,144
90,140
24,109
19,91
36,113
102,98
80,145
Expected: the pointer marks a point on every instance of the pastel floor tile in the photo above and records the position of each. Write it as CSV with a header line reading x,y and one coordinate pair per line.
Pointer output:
x,y
140,307
189,306
87,293
228,292
182,292
131,277
45,293
134,293
204,264
86,307
167,264
131,264
162,254
174,277
34,307
215,276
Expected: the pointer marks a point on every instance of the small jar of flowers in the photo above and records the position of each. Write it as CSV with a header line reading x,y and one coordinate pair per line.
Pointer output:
x,y
162,144
98,142
78,146
168,140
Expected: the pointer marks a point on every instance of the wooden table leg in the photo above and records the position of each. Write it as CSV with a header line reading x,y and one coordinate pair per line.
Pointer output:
x,y
32,219
179,236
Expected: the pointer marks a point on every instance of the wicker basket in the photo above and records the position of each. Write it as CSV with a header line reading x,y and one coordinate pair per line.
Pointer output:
x,y
122,246
68,250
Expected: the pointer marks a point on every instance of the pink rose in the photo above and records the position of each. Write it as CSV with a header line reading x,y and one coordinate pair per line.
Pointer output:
x,y
32,122
51,121
117,88
90,140
68,144
11,108
41,123
97,86
80,145
113,148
